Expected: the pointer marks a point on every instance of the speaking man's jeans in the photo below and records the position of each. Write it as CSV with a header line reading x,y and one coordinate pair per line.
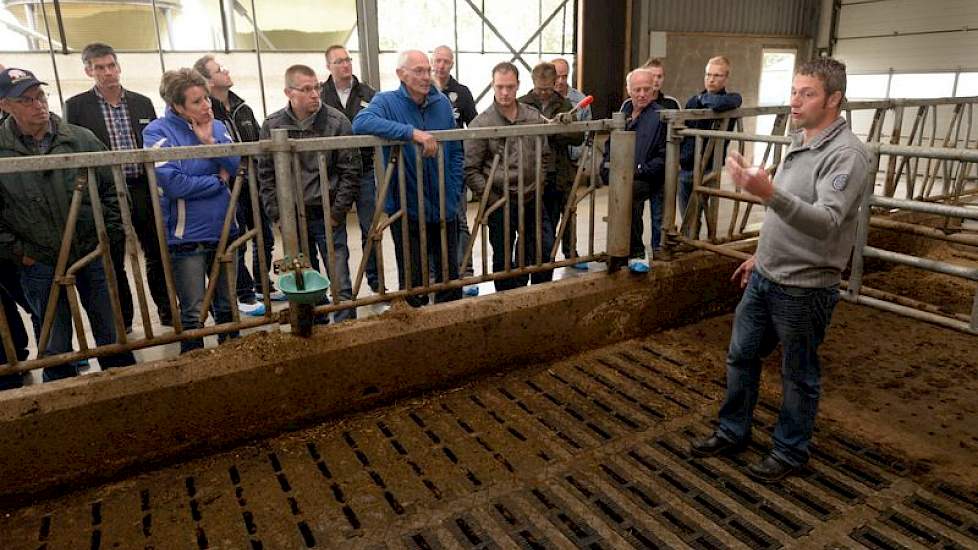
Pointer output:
x,y
796,317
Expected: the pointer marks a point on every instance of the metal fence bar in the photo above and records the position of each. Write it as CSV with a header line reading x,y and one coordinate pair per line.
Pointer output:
x,y
171,290
538,199
329,262
507,245
62,262
521,207
442,220
122,195
404,220
257,220
107,264
422,215
214,275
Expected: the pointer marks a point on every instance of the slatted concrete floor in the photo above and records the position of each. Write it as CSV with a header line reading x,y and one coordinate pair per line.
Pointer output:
x,y
590,452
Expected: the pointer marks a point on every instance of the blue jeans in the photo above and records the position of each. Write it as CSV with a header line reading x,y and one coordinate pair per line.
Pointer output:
x,y
796,317
497,235
93,291
340,274
366,207
655,200
191,267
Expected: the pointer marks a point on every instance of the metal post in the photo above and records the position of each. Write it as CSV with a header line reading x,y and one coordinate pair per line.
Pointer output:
x,y
284,191
673,141
862,229
620,188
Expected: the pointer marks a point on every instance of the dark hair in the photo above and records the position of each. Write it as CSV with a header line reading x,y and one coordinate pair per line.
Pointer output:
x,y
506,67
831,72
97,49
545,71
201,65
174,85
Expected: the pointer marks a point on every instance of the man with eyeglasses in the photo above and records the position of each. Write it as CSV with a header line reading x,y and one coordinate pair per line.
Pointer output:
x,y
240,121
408,114
35,207
344,92
117,116
560,170
11,295
306,116
716,97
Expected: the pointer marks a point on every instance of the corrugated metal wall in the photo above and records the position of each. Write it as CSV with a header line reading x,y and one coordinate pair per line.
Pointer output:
x,y
908,35
771,17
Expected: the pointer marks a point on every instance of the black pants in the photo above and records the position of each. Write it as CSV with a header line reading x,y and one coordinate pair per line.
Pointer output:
x,y
554,201
433,233
144,223
497,236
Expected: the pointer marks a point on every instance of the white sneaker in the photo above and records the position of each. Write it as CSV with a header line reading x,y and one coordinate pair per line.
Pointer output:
x,y
275,296
256,309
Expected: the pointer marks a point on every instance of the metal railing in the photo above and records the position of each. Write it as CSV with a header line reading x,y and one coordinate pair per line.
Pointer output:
x,y
293,226
940,123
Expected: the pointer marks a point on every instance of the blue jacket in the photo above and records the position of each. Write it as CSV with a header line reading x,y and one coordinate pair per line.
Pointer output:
x,y
720,102
394,115
194,199
650,150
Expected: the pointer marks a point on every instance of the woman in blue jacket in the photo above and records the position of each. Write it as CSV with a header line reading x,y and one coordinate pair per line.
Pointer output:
x,y
196,195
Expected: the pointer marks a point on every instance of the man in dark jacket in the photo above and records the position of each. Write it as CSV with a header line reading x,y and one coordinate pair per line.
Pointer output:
x,y
642,115
463,107
117,117
560,173
345,93
306,117
240,121
407,114
34,207
714,96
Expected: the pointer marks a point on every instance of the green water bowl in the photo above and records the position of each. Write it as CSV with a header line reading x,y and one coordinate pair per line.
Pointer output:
x,y
314,289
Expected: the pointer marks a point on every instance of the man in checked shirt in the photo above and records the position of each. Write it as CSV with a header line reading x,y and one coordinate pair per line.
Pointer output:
x,y
117,117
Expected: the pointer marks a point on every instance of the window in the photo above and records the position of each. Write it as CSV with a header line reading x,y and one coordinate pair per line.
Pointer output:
x,y
777,68
922,85
867,86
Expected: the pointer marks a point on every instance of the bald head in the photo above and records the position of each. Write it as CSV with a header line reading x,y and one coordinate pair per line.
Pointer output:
x,y
442,61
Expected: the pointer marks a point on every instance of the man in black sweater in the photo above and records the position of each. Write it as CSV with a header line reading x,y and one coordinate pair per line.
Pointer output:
x,y
240,121
344,92
117,117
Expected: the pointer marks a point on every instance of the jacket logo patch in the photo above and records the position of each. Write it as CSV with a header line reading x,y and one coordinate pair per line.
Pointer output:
x,y
839,182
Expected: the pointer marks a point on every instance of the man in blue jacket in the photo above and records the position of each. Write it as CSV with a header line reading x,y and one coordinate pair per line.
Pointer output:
x,y
406,114
716,97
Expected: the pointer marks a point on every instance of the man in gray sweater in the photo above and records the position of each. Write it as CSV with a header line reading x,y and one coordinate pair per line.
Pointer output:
x,y
792,281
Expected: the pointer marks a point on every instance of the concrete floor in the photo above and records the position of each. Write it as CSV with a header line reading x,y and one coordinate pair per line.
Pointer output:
x,y
588,452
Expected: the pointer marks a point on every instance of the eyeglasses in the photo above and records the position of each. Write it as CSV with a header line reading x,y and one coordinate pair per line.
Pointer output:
x,y
223,69
342,61
420,71
716,75
305,89
41,98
